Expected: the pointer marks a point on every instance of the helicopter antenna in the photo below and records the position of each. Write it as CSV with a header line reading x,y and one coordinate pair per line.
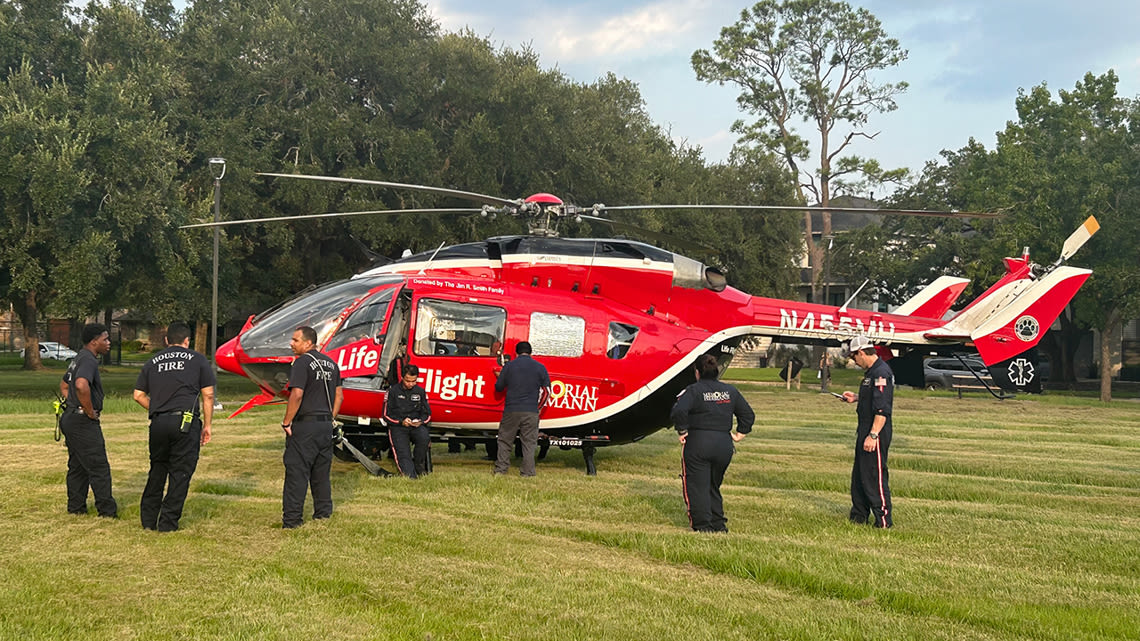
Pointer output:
x,y
844,308
432,257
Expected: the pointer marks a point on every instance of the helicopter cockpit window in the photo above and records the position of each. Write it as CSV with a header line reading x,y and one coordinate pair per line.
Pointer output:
x,y
621,339
319,309
365,322
448,328
557,334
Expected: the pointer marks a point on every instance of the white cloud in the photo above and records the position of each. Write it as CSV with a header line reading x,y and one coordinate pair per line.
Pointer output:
x,y
655,27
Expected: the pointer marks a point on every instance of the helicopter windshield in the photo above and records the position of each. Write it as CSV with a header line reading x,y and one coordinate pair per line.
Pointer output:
x,y
320,309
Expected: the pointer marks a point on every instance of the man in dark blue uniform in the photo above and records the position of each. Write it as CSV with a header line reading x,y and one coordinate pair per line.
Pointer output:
x,y
87,464
870,492
407,413
703,418
315,395
527,384
169,387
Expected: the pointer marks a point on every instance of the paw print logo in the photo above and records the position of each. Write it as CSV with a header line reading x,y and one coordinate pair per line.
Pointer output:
x,y
1026,328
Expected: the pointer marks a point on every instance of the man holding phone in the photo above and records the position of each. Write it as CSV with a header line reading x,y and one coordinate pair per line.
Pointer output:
x,y
870,489
407,413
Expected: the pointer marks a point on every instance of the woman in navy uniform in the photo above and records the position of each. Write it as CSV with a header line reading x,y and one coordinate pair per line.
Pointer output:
x,y
703,418
870,492
407,413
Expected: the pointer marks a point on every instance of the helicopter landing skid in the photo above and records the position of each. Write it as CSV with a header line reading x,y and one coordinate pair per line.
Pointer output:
x,y
369,464
588,454
588,444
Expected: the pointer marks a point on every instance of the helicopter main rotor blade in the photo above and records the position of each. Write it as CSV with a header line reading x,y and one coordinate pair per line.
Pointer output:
x,y
469,195
336,214
857,210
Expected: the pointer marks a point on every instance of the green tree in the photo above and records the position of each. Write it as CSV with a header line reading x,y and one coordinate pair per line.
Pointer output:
x,y
809,60
41,181
1064,159
1069,158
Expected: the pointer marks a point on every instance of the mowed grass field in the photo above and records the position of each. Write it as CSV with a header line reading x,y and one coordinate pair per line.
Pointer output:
x,y
1013,520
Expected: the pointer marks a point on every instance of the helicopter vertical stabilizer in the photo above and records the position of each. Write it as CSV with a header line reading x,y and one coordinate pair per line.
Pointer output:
x,y
1011,318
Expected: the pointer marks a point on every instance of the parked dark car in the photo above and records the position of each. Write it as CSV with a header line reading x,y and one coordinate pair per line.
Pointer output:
x,y
939,372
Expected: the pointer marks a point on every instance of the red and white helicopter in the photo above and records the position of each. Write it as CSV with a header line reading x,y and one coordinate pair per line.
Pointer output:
x,y
618,324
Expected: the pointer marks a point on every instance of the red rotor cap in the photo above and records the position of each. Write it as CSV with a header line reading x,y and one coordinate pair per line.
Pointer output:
x,y
544,199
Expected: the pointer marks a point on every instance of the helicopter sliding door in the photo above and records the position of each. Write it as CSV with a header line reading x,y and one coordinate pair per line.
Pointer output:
x,y
456,345
395,340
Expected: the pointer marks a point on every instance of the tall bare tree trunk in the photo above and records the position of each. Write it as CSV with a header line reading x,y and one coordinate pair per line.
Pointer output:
x,y
1108,337
29,313
202,337
75,333
108,317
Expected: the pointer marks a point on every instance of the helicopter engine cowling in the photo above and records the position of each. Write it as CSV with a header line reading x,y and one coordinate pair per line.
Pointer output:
x,y
696,275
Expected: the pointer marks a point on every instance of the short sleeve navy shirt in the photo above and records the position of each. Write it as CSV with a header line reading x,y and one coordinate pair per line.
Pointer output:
x,y
522,379
85,365
876,394
174,378
319,376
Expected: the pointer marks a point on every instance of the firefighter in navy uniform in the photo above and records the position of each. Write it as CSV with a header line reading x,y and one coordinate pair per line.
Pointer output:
x,y
870,491
87,464
703,418
172,385
407,413
315,395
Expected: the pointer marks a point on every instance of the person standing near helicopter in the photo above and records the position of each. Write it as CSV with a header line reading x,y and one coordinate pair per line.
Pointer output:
x,y
526,383
703,419
870,491
87,464
170,387
315,395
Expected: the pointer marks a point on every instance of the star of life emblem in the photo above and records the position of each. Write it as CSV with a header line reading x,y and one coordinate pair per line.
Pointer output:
x,y
1021,372
1026,328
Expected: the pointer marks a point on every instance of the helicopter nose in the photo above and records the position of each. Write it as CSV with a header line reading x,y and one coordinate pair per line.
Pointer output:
x,y
226,357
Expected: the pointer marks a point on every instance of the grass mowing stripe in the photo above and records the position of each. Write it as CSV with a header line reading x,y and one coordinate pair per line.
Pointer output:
x,y
1009,525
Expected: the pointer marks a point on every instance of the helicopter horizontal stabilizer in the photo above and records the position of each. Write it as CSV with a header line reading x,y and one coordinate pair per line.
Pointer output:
x,y
934,300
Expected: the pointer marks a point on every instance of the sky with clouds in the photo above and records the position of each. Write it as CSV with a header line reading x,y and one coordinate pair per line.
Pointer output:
x,y
967,59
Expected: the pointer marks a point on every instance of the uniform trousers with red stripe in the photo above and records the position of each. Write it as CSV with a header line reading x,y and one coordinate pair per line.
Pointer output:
x,y
411,465
870,490
705,457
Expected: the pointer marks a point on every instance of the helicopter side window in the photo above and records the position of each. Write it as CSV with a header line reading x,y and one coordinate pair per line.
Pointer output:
x,y
448,328
365,322
557,334
621,339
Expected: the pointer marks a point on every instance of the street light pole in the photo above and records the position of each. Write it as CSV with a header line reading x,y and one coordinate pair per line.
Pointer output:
x,y
218,169
825,366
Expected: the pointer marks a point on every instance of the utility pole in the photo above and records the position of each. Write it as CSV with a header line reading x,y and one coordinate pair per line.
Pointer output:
x,y
825,366
218,169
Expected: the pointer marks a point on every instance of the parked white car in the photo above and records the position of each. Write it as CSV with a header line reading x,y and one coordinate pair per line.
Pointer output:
x,y
54,351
